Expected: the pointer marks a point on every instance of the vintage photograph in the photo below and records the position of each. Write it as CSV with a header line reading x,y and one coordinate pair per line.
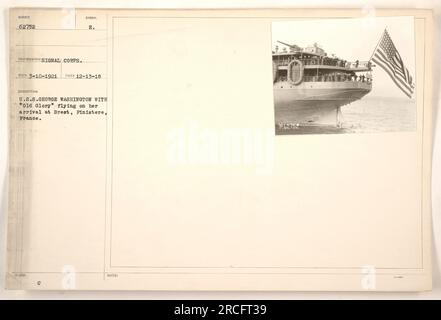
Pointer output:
x,y
344,75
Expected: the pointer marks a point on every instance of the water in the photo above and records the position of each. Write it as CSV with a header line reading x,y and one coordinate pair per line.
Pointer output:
x,y
368,115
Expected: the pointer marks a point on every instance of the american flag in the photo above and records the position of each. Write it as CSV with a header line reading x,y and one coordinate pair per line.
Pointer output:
x,y
386,56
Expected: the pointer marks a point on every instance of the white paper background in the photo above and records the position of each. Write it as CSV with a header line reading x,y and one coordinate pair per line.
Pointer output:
x,y
366,6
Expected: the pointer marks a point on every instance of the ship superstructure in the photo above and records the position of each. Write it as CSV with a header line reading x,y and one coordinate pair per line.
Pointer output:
x,y
311,86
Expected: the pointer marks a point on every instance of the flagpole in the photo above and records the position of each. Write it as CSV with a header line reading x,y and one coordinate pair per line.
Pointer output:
x,y
373,52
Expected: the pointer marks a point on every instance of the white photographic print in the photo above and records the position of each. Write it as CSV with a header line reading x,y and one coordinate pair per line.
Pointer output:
x,y
344,75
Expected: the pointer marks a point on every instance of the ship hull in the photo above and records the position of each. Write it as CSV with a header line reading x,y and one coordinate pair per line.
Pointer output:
x,y
315,103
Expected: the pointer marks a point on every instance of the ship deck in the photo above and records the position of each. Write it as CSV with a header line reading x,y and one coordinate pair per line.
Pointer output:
x,y
324,85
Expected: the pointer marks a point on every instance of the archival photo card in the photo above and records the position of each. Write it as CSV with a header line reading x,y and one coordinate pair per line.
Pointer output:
x,y
344,75
145,153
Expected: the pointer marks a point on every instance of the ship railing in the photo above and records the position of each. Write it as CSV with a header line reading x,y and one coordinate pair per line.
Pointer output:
x,y
337,78
362,65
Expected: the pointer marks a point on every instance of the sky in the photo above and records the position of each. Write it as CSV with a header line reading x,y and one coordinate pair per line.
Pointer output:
x,y
353,39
